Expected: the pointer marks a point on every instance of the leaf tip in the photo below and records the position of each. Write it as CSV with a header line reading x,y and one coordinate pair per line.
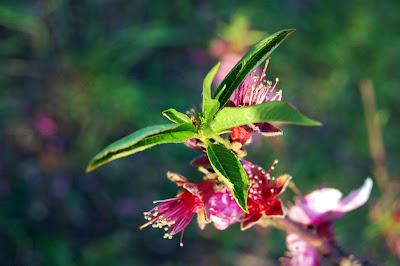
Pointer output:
x,y
90,167
288,31
315,123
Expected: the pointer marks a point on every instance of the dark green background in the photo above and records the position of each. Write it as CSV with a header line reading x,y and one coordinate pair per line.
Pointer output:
x,y
101,69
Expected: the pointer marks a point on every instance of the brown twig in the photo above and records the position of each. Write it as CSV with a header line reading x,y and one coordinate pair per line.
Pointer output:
x,y
375,139
329,249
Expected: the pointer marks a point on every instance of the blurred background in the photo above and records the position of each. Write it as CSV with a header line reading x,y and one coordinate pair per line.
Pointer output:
x,y
77,75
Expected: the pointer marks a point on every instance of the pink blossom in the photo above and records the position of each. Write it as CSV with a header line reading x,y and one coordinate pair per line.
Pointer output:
x,y
300,253
320,209
262,199
326,204
263,194
255,90
173,215
218,205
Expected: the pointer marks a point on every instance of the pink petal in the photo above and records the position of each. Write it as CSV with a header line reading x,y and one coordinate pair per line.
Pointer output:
x,y
223,209
326,204
193,144
250,220
228,61
202,160
300,252
276,209
267,129
280,184
220,223
314,205
356,198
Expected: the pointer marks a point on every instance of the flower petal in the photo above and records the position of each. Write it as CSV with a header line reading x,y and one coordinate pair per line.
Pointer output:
x,y
250,220
223,209
275,209
280,184
200,161
357,197
312,208
202,218
326,205
176,178
193,144
300,252
267,129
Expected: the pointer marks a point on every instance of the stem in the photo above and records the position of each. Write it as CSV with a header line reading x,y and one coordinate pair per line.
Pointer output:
x,y
375,139
327,248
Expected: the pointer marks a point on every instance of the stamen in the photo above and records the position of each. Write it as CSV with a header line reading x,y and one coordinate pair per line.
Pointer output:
x,y
164,200
263,72
276,82
272,167
146,224
181,239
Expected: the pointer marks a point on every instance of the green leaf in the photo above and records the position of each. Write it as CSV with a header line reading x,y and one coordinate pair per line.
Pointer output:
x,y
176,117
228,167
230,117
258,53
141,140
209,106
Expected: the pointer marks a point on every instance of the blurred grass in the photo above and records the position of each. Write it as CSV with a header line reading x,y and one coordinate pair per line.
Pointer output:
x,y
96,70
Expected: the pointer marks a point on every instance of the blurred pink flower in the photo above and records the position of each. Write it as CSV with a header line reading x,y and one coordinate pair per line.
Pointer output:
x,y
228,61
320,209
300,252
45,125
326,204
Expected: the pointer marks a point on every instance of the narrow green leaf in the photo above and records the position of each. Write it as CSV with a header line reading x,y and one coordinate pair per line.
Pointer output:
x,y
209,106
141,140
230,117
228,167
257,54
176,117
207,82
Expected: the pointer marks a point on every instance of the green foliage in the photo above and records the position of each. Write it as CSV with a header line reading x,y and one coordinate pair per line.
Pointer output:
x,y
255,56
225,162
209,105
228,167
230,117
176,117
141,140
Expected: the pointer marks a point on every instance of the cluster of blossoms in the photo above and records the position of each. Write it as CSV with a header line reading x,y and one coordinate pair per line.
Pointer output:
x,y
210,199
214,204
